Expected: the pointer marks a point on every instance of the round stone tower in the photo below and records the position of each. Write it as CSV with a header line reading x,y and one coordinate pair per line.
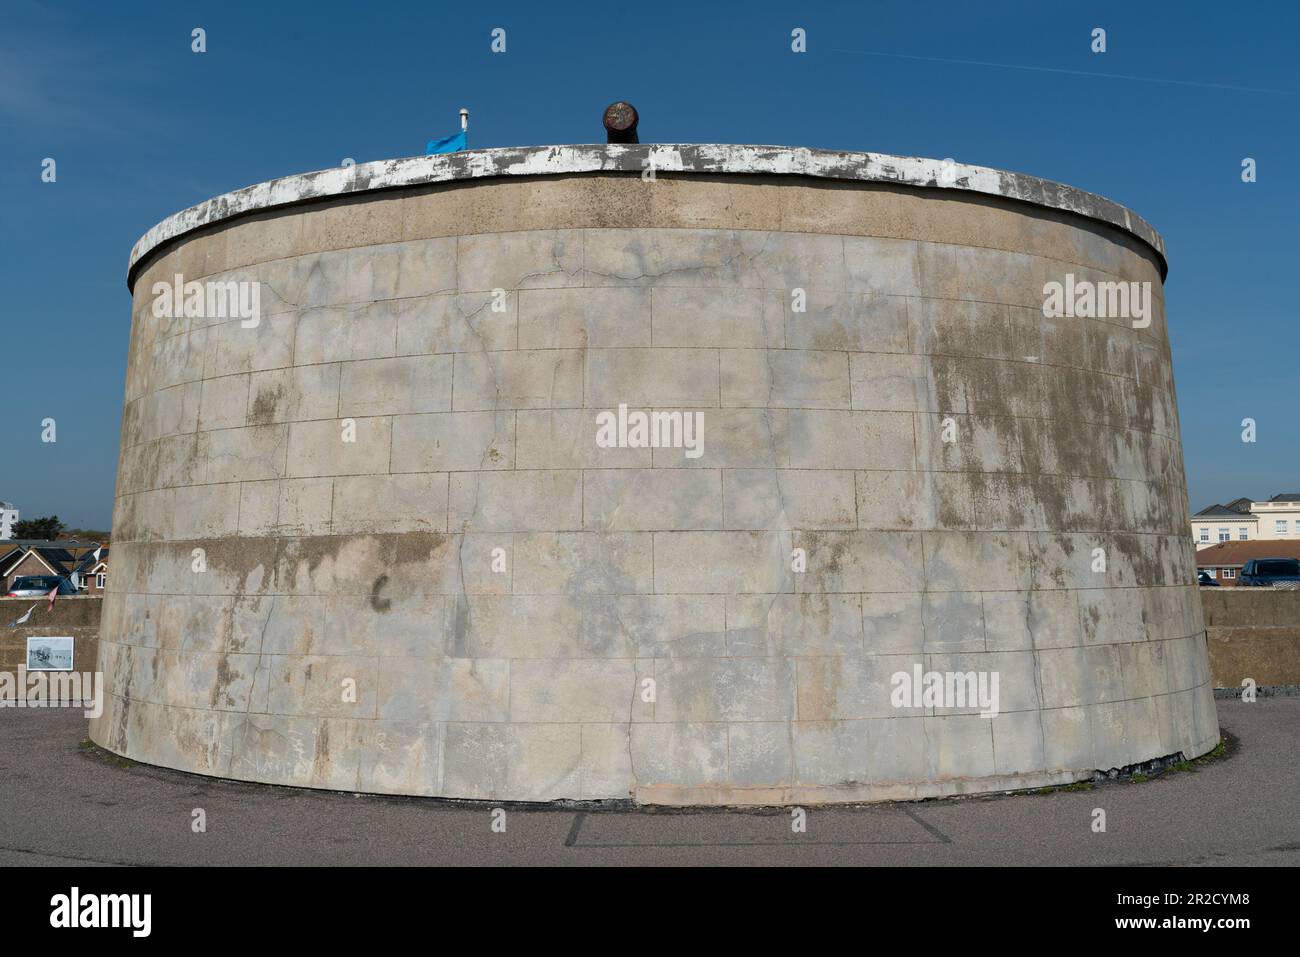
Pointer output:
x,y
685,474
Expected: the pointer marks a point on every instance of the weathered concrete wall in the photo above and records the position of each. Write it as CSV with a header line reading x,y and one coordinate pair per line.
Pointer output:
x,y
1253,633
76,617
332,563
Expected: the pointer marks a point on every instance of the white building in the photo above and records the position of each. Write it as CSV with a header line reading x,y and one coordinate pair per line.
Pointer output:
x,y
1244,520
1279,517
8,516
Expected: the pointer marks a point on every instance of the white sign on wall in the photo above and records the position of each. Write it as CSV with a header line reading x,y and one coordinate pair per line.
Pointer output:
x,y
49,654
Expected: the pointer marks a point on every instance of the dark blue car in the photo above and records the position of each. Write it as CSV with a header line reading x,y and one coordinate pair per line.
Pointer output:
x,y
1271,573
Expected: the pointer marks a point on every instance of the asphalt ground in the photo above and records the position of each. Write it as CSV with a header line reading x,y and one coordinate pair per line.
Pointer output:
x,y
64,802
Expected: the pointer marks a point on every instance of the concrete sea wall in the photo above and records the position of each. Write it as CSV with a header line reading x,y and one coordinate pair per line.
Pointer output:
x,y
75,617
1253,633
371,541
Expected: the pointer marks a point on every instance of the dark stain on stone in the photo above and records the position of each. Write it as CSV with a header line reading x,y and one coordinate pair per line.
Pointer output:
x,y
830,551
322,757
221,688
117,735
460,628
1051,496
265,404
414,548
376,602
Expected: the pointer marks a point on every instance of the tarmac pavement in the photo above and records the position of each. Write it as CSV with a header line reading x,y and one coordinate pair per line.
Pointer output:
x,y
64,802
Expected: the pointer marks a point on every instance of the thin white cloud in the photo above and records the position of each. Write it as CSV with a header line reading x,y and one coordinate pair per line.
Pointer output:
x,y
53,76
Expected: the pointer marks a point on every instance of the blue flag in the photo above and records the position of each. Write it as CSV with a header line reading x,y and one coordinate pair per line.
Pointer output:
x,y
448,144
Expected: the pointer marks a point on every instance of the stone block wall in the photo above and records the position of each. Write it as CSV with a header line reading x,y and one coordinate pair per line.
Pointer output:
x,y
421,574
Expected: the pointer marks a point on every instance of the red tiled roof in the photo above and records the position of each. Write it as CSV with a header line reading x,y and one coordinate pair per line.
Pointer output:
x,y
1228,554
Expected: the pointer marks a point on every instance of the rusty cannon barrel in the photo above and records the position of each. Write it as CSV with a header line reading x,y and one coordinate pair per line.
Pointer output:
x,y
620,122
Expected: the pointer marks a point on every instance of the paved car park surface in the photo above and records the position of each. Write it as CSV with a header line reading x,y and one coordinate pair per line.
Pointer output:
x,y
63,802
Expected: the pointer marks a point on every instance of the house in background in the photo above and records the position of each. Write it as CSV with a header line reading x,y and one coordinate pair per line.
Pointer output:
x,y
1223,562
1246,520
55,558
1279,517
1225,523
34,558
92,572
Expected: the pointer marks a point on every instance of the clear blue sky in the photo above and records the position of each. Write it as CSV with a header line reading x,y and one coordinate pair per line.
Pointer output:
x,y
141,127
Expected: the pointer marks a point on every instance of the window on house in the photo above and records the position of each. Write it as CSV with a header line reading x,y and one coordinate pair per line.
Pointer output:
x,y
99,580
1279,526
1242,535
1225,535
1214,572
1229,573
1205,534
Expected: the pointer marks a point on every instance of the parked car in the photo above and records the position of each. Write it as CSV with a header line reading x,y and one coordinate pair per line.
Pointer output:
x,y
1204,579
1271,573
30,586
